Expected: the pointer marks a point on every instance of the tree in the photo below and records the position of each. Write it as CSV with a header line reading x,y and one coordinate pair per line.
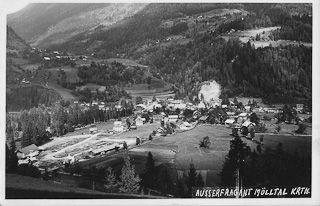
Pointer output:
x,y
148,178
234,161
11,159
205,142
278,128
302,127
111,182
254,118
129,181
139,100
193,179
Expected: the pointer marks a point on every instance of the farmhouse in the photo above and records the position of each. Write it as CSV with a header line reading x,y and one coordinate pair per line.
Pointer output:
x,y
29,151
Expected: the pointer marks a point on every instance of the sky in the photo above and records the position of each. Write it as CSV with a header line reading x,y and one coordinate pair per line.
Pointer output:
x,y
11,6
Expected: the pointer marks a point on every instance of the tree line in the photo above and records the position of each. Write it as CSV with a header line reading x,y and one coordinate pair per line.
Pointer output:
x,y
26,97
61,119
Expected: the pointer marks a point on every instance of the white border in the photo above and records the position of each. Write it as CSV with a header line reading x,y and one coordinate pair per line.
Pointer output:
x,y
315,200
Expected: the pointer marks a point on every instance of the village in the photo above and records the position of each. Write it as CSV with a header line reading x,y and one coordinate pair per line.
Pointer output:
x,y
162,121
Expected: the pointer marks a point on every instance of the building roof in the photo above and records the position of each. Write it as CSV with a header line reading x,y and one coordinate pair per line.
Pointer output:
x,y
203,118
103,149
28,149
243,114
173,116
229,121
247,123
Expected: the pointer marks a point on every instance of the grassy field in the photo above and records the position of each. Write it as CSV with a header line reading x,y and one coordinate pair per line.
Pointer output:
x,y
182,149
32,67
65,93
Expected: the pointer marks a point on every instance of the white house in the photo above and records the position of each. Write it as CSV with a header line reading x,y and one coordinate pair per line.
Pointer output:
x,y
173,118
139,121
229,122
201,105
118,127
185,126
248,124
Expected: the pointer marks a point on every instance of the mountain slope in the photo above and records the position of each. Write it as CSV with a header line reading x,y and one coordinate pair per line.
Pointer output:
x,y
14,41
45,24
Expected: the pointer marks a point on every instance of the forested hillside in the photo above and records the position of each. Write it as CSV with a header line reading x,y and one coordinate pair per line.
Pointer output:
x,y
240,69
27,97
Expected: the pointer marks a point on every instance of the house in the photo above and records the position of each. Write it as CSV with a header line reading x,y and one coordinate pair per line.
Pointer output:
x,y
185,126
31,151
93,130
247,108
101,107
196,114
104,149
229,122
46,58
160,132
203,119
201,105
139,121
173,118
157,118
243,115
299,107
248,124
118,127
141,106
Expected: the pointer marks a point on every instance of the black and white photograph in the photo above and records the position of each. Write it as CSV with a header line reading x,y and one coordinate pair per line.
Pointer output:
x,y
167,103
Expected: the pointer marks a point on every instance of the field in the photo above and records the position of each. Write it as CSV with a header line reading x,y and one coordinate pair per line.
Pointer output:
x,y
65,93
181,149
32,67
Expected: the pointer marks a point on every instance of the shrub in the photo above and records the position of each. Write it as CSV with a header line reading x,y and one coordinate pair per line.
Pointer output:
x,y
29,170
205,142
266,118
278,128
302,127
